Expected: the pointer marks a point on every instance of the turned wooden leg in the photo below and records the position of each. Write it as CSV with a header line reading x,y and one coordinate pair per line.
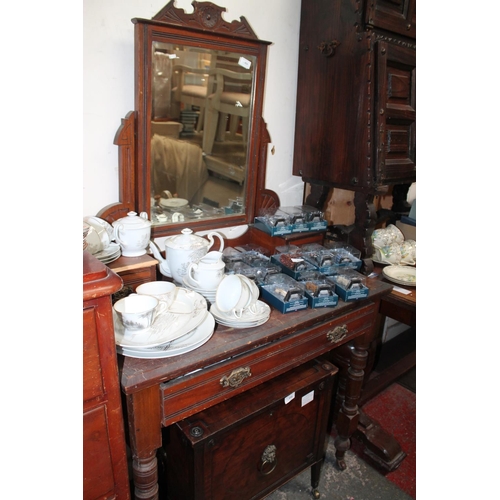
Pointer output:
x,y
145,472
347,419
144,430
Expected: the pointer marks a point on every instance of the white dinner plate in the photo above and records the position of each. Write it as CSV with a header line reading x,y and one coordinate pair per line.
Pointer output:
x,y
166,327
182,345
402,275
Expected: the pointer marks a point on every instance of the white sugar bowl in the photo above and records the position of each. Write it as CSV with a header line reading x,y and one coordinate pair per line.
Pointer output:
x,y
133,233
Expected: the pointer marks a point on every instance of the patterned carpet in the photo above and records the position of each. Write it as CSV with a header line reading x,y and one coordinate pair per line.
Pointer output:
x,y
400,421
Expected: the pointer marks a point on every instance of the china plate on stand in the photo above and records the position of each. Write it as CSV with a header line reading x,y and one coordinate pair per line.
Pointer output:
x,y
166,327
402,275
191,341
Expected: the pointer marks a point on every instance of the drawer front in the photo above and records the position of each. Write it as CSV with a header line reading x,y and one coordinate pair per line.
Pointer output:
x,y
136,277
187,395
92,373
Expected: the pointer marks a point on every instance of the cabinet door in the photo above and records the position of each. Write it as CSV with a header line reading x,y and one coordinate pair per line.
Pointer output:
x,y
395,104
398,16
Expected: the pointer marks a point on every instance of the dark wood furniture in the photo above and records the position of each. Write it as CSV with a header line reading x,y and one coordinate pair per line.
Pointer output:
x,y
250,445
105,470
159,393
135,270
385,364
356,102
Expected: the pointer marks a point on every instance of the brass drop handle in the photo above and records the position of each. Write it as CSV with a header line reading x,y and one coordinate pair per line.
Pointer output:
x,y
236,377
328,48
268,460
337,334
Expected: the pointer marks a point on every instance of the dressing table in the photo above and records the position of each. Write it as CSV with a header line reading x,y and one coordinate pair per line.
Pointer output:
x,y
158,393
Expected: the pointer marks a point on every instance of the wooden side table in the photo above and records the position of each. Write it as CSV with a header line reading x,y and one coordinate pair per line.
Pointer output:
x,y
135,270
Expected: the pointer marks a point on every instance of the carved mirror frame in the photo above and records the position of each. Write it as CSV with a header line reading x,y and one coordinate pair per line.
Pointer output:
x,y
206,28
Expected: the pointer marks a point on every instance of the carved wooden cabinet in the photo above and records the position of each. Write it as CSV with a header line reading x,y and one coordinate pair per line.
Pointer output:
x,y
356,100
250,445
105,472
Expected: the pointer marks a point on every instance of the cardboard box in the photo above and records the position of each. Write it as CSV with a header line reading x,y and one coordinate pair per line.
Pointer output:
x,y
409,231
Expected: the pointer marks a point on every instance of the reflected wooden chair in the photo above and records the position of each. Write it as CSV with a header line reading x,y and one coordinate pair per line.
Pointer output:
x,y
191,88
227,102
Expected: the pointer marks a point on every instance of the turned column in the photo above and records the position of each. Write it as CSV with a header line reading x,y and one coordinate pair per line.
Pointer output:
x,y
348,416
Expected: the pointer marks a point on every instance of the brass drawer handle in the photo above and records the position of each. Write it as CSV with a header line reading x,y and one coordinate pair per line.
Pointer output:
x,y
236,377
268,458
337,334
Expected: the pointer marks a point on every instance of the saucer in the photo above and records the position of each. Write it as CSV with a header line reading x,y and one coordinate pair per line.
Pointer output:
x,y
402,275
247,318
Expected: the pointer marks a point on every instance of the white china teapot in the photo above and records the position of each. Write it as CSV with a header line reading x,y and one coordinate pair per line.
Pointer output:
x,y
181,250
133,233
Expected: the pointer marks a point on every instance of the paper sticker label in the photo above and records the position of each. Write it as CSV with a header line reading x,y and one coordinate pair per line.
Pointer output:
x,y
307,398
289,397
244,62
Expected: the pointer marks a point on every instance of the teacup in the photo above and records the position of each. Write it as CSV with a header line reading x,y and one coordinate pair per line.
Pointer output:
x,y
207,273
409,252
137,312
389,254
232,295
251,306
164,291
396,235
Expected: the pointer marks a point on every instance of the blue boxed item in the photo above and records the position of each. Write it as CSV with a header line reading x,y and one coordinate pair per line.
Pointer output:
x,y
282,299
292,264
320,294
350,286
273,226
315,218
297,218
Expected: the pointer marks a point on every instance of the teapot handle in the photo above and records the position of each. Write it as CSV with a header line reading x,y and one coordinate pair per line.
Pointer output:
x,y
211,239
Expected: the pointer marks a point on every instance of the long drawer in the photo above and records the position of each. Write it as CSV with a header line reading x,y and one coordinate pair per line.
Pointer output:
x,y
192,393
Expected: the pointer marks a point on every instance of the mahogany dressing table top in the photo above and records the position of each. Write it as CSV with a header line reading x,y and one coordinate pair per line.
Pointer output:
x,y
138,374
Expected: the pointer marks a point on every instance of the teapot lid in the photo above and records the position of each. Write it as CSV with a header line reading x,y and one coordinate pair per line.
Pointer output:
x,y
134,221
186,241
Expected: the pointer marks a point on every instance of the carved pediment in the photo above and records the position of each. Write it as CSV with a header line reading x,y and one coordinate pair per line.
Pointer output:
x,y
206,16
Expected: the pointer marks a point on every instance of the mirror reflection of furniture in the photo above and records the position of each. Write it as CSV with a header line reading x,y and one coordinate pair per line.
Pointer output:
x,y
224,102
192,88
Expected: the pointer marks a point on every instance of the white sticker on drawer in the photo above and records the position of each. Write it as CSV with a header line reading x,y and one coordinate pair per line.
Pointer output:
x,y
289,397
307,398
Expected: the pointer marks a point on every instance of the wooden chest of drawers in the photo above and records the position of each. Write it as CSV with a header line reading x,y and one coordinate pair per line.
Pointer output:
x,y
105,470
250,445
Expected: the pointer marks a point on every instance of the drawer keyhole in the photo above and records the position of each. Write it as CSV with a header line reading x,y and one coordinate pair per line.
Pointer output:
x,y
337,334
268,460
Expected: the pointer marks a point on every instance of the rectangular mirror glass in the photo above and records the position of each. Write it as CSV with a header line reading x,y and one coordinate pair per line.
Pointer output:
x,y
201,110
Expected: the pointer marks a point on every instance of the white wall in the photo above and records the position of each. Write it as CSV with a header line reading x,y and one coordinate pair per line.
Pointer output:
x,y
108,87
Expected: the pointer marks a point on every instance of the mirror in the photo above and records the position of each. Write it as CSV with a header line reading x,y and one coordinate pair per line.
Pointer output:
x,y
199,128
201,104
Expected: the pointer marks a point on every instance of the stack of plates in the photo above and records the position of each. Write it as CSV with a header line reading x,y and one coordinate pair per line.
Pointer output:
x,y
170,334
208,294
247,320
98,239
173,202
109,254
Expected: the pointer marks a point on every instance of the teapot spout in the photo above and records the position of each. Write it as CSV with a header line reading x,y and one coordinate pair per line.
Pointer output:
x,y
164,269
